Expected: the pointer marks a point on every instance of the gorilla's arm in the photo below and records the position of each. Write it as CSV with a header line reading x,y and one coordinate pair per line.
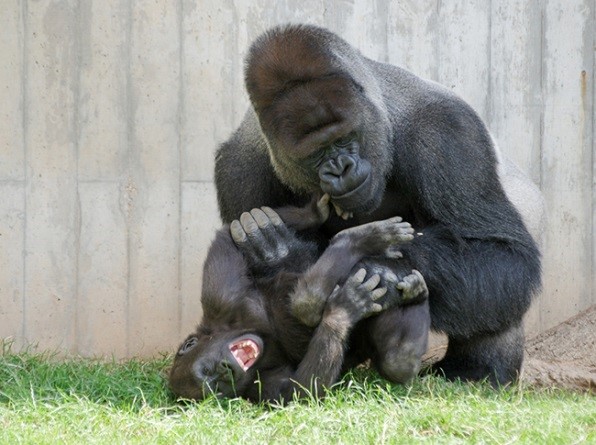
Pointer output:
x,y
346,249
245,178
268,238
322,363
227,288
268,244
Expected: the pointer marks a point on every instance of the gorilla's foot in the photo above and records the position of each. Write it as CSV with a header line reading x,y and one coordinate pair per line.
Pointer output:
x,y
496,358
452,369
413,287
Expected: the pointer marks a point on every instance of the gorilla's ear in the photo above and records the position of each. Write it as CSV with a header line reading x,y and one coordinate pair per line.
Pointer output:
x,y
188,344
303,97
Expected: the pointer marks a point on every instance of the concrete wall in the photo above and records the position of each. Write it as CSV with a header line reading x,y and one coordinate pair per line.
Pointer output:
x,y
111,110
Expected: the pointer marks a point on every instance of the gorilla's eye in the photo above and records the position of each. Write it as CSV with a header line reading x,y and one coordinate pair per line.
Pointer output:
x,y
188,345
344,141
317,158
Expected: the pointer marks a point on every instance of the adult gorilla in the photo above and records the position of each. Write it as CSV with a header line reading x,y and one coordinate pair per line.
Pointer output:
x,y
384,142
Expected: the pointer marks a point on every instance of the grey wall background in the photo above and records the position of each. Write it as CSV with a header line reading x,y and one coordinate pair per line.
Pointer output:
x,y
111,110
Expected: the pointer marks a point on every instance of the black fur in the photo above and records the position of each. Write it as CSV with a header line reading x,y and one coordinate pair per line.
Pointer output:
x,y
244,301
424,154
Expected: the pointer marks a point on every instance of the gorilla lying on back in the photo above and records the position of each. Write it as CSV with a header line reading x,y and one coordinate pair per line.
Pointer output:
x,y
250,345
384,142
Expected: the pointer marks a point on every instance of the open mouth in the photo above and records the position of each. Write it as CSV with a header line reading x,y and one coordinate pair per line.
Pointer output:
x,y
245,351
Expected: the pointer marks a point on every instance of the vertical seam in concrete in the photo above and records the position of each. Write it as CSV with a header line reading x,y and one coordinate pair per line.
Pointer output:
x,y
542,86
233,65
385,8
489,74
438,47
180,124
541,137
593,156
129,142
76,133
25,141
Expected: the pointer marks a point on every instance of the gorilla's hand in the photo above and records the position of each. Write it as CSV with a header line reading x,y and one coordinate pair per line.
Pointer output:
x,y
355,300
320,208
341,213
311,216
404,286
378,237
413,288
265,241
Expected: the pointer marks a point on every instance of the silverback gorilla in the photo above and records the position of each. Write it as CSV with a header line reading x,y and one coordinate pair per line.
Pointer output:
x,y
250,345
384,142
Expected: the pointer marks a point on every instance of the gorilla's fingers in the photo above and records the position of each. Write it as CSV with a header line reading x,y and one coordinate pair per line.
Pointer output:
x,y
403,227
249,225
359,276
274,230
324,201
376,307
262,220
371,283
378,293
413,286
394,253
338,210
255,236
323,207
237,232
342,213
273,216
409,280
396,219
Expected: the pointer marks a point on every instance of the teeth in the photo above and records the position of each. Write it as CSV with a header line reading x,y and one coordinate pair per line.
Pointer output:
x,y
245,352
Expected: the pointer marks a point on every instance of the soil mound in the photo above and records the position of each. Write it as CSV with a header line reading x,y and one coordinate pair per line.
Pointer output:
x,y
564,356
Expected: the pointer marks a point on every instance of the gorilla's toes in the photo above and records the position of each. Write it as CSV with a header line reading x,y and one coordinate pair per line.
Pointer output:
x,y
413,286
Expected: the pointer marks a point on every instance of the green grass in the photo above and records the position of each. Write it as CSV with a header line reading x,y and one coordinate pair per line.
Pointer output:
x,y
46,400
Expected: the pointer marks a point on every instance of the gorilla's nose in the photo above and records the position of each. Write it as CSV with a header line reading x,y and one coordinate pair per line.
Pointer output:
x,y
341,175
336,173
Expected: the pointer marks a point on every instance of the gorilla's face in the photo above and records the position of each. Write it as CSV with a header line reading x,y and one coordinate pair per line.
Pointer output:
x,y
323,115
326,135
346,176
216,363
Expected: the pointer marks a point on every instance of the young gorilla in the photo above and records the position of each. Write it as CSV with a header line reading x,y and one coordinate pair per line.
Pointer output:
x,y
250,345
384,142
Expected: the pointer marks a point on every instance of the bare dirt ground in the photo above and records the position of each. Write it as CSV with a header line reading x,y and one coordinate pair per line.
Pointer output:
x,y
562,357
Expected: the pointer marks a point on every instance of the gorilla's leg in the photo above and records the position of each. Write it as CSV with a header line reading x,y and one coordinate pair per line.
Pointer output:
x,y
400,339
345,249
478,291
399,336
497,357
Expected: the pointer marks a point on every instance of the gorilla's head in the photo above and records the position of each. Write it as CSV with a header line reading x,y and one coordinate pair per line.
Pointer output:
x,y
223,356
324,119
222,363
